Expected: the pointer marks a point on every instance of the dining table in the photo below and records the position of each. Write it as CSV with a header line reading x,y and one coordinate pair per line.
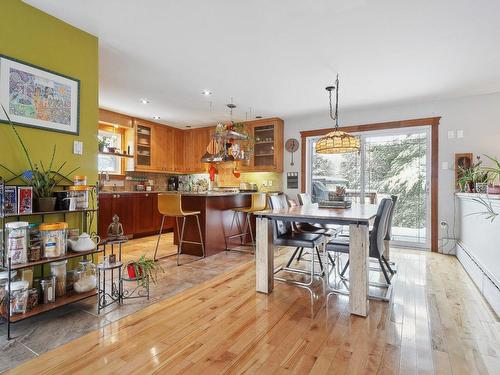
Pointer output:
x,y
358,218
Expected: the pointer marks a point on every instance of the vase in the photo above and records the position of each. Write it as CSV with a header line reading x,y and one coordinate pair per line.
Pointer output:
x,y
44,204
131,271
481,187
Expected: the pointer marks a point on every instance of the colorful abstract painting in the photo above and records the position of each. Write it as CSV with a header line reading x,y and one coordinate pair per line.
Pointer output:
x,y
37,97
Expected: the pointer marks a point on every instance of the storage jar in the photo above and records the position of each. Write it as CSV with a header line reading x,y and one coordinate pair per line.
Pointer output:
x,y
80,180
53,238
32,298
17,241
81,196
85,280
48,290
18,296
58,271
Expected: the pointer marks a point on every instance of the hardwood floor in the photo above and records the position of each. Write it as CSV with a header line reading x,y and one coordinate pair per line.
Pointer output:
x,y
436,323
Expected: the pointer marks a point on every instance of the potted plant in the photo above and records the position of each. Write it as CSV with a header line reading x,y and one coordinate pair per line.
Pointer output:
x,y
137,269
494,173
103,143
42,180
466,179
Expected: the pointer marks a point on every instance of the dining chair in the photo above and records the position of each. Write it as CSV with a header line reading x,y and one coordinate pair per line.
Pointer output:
x,y
284,235
388,236
376,240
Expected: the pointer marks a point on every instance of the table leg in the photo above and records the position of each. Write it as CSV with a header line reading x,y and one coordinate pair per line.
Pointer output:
x,y
358,269
264,256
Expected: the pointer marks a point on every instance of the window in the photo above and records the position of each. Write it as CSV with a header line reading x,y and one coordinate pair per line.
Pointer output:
x,y
109,163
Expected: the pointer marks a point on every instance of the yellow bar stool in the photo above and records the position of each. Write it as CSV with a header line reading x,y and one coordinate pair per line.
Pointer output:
x,y
258,204
170,205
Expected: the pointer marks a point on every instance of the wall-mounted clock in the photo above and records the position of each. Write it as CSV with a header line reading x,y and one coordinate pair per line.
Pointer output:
x,y
291,145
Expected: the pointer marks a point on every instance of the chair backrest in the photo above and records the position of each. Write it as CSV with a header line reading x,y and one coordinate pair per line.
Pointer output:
x,y
169,204
258,201
304,199
379,229
277,202
320,191
391,216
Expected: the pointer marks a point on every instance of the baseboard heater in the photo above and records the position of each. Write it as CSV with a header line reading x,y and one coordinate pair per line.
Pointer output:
x,y
486,283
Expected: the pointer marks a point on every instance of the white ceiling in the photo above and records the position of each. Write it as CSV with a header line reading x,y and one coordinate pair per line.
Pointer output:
x,y
277,56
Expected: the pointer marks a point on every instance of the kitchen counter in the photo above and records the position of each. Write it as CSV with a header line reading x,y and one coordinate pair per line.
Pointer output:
x,y
183,193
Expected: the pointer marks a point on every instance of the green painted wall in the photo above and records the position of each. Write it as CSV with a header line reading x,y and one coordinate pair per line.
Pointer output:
x,y
30,35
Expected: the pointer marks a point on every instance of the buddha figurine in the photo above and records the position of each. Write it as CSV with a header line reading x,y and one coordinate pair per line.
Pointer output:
x,y
115,229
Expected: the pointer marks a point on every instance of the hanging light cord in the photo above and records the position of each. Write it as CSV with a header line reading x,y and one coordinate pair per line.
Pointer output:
x,y
336,88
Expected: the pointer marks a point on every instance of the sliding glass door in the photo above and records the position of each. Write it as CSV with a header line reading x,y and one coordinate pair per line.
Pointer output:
x,y
390,162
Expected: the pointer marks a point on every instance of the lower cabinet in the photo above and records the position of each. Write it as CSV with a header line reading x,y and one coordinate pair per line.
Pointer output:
x,y
138,213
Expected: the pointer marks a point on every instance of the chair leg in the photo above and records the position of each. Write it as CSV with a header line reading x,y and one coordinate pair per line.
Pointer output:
x,y
201,236
331,259
386,276
319,259
388,265
292,257
159,236
300,254
345,268
238,223
179,248
249,216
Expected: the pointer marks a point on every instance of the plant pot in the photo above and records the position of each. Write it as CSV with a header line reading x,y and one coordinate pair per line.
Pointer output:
x,y
131,271
101,148
493,189
481,187
44,204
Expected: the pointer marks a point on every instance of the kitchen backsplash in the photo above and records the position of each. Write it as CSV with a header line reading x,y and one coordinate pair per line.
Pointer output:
x,y
266,181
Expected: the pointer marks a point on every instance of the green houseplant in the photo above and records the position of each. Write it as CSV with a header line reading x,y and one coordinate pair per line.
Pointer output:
x,y
136,269
43,180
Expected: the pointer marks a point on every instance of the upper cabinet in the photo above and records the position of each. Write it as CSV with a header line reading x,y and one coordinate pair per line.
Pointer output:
x,y
268,149
161,148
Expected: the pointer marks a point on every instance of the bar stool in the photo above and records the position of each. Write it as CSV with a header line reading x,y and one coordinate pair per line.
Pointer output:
x,y
170,205
258,204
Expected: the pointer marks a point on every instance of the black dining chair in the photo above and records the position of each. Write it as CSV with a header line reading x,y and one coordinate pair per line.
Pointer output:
x,y
388,236
285,235
376,240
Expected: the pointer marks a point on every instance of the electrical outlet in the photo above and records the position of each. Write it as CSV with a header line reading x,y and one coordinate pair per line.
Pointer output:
x,y
264,183
270,183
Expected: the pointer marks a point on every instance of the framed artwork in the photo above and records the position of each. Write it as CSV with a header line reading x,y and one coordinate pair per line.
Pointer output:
x,y
39,98
463,160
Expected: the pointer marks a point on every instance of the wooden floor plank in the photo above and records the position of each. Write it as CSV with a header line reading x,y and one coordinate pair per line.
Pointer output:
x,y
436,323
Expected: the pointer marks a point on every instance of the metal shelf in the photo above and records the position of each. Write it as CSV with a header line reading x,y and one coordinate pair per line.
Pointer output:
x,y
55,259
49,213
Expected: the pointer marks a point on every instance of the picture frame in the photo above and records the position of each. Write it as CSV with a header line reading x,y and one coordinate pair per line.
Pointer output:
x,y
39,98
463,160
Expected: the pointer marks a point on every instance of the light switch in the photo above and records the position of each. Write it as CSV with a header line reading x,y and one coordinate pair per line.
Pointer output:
x,y
444,165
451,134
460,133
270,183
77,147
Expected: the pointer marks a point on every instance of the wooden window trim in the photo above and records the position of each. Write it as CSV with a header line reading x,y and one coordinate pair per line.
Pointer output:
x,y
433,122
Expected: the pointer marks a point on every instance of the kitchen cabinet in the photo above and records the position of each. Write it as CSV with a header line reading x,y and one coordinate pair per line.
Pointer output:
x,y
268,149
145,145
138,213
116,204
195,146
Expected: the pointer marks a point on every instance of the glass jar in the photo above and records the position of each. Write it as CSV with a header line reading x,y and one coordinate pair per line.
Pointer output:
x,y
48,290
53,238
32,298
18,296
85,279
81,196
17,241
80,180
58,271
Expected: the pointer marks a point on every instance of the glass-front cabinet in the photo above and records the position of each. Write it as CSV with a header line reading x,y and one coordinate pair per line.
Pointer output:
x,y
267,154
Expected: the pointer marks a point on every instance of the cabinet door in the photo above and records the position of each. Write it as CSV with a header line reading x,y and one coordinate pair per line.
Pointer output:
x,y
264,155
105,214
189,151
144,213
144,147
123,207
169,149
179,145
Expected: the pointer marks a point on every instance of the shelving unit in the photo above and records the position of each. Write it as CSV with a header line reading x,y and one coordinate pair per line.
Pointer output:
x,y
86,219
116,154
264,145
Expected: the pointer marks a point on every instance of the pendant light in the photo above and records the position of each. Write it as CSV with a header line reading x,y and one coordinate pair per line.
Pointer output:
x,y
337,141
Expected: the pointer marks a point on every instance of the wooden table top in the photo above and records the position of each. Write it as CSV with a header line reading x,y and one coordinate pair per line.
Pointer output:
x,y
359,213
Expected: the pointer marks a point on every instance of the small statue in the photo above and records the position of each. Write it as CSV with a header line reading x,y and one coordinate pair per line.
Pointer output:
x,y
115,229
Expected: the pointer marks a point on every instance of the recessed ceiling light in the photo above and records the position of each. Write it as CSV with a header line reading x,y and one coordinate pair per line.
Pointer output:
x,y
206,92
156,117
144,101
